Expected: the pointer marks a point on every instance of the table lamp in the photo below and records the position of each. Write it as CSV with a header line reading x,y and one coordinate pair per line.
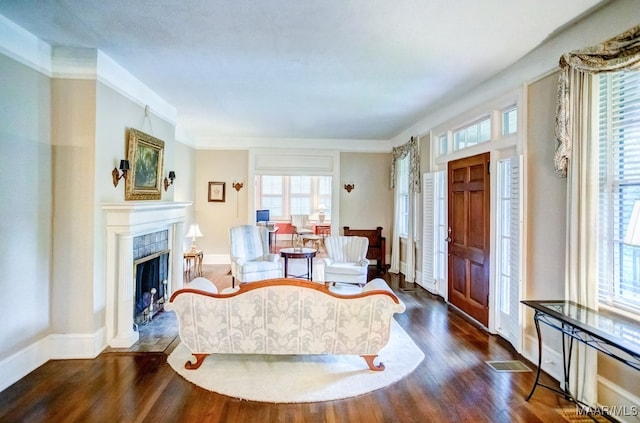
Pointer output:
x,y
193,233
321,209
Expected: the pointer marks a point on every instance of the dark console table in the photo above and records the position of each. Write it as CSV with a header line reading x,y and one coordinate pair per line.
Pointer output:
x,y
608,333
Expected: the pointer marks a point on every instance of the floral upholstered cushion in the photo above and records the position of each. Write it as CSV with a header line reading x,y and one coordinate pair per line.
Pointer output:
x,y
286,317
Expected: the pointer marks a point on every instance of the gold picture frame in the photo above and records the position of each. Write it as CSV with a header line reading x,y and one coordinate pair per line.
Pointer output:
x,y
217,191
146,158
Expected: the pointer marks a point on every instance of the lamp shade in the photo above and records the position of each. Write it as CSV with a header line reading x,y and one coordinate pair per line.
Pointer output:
x,y
194,231
633,230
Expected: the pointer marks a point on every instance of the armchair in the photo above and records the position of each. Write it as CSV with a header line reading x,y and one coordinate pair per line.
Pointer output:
x,y
301,225
347,260
250,257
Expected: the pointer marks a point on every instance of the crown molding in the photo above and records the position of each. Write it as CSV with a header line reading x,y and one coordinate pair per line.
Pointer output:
x,y
24,47
79,63
246,143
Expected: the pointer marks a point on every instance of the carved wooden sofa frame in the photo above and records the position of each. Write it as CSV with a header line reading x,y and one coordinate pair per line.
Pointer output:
x,y
285,316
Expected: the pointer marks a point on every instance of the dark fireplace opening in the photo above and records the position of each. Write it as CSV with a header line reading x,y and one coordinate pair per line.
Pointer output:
x,y
151,273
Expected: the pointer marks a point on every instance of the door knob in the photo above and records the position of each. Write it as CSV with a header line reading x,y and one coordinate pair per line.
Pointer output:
x,y
448,239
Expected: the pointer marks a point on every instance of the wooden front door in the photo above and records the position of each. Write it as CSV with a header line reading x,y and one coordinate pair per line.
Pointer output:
x,y
468,238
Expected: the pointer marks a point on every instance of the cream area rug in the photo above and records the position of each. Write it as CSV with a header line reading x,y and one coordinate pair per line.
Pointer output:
x,y
305,378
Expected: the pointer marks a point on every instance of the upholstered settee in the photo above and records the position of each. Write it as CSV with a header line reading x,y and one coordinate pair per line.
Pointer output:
x,y
285,316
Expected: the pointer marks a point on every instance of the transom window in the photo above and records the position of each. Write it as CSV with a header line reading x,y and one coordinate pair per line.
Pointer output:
x,y
472,134
510,120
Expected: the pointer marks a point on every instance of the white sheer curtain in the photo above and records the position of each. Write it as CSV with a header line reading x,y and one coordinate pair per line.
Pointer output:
x,y
397,225
581,276
409,149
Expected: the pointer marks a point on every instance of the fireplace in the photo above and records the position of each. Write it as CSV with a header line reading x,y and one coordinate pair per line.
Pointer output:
x,y
150,273
138,229
151,287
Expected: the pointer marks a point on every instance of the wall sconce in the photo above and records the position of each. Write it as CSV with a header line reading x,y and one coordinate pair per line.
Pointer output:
x,y
349,187
172,176
124,167
237,185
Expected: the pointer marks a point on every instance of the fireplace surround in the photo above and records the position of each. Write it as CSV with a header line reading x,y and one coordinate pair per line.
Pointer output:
x,y
124,223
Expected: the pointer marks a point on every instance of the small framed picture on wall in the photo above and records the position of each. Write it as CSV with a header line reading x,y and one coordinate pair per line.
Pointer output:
x,y
216,192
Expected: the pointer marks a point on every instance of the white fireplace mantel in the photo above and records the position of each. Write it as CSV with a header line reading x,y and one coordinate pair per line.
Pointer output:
x,y
124,221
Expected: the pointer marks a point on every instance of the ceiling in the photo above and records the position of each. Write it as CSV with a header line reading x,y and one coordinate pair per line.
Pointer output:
x,y
327,69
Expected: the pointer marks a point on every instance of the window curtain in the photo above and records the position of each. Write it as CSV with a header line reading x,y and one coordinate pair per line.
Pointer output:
x,y
411,149
576,159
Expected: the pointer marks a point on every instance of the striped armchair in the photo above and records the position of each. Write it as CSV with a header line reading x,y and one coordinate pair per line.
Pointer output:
x,y
347,260
250,256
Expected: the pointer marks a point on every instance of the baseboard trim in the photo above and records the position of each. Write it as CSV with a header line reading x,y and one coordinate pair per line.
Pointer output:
x,y
52,347
20,364
70,346
551,359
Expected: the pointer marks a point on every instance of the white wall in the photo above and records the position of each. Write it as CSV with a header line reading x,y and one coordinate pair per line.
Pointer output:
x,y
370,203
215,218
25,207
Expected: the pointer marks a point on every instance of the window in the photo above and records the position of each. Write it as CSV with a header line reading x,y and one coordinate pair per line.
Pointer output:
x,y
510,121
272,194
403,194
287,195
472,134
300,199
619,188
444,144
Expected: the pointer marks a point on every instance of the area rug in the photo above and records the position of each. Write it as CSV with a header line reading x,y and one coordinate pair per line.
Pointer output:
x,y
310,378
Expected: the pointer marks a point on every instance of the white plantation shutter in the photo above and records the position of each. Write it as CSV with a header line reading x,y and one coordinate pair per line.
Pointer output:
x,y
619,187
515,226
433,233
508,263
428,226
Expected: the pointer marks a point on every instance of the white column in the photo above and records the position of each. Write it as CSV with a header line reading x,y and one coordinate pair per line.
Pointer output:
x,y
177,258
125,335
112,277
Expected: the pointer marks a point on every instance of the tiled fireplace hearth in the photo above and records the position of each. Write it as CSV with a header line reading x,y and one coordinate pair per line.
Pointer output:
x,y
126,224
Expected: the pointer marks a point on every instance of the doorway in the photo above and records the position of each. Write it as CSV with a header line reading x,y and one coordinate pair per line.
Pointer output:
x,y
469,235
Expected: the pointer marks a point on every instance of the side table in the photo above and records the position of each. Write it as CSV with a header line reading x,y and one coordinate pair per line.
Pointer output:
x,y
195,256
298,253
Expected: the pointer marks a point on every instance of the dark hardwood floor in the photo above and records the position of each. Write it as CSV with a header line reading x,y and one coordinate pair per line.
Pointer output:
x,y
452,384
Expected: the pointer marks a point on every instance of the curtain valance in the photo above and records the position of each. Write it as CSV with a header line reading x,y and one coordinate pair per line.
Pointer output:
x,y
619,53
400,152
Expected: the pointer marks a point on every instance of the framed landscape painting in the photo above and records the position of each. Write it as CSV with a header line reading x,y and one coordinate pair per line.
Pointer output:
x,y
146,158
